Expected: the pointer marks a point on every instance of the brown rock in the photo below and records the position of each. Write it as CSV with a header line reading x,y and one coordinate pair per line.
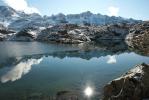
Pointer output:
x,y
134,85
138,38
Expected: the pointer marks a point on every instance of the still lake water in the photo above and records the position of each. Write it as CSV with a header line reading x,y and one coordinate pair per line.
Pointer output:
x,y
41,71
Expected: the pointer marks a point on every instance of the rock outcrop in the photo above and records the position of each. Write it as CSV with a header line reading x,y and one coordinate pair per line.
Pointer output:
x,y
27,34
64,33
134,85
4,32
112,32
71,33
138,37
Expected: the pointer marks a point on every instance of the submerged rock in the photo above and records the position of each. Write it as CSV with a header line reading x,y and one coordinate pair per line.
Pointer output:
x,y
134,85
66,95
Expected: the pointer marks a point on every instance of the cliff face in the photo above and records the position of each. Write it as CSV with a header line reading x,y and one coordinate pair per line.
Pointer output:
x,y
134,85
138,37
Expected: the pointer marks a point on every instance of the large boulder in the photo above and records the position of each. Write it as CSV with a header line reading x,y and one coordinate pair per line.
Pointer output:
x,y
134,85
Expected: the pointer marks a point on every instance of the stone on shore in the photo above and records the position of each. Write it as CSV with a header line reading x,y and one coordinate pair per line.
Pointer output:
x,y
134,85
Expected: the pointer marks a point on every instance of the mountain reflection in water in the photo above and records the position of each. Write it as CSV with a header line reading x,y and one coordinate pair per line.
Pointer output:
x,y
40,70
19,70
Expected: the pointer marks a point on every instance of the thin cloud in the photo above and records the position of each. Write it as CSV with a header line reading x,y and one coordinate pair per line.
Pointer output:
x,y
21,5
113,11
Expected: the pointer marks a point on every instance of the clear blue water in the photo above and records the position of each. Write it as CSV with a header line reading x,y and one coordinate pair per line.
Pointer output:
x,y
38,71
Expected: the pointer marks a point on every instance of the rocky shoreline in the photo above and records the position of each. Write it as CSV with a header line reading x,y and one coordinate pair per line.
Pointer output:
x,y
68,33
136,35
133,85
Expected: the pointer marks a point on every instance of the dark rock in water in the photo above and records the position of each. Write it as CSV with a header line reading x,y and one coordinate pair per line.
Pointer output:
x,y
66,95
62,93
138,37
134,85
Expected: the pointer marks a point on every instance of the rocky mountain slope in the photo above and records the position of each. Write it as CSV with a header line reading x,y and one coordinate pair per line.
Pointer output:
x,y
18,20
70,33
74,28
138,37
88,18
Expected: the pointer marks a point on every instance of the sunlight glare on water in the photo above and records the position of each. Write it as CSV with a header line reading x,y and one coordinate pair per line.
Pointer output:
x,y
88,91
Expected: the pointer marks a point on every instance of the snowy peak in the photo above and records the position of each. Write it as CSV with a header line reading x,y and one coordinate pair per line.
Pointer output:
x,y
18,20
87,14
6,11
89,18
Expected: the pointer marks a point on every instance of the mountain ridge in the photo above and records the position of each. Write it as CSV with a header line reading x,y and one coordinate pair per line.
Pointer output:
x,y
10,17
72,28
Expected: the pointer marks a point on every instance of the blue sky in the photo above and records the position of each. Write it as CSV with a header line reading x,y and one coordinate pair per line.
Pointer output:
x,y
138,9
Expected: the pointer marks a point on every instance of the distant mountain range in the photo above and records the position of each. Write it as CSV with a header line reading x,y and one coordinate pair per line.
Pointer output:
x,y
72,28
17,20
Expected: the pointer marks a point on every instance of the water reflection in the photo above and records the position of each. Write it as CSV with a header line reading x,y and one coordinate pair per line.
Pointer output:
x,y
88,91
63,72
22,65
19,70
111,60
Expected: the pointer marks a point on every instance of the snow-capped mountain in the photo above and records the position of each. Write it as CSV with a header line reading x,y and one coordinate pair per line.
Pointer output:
x,y
17,20
89,18
25,21
7,15
14,19
6,11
